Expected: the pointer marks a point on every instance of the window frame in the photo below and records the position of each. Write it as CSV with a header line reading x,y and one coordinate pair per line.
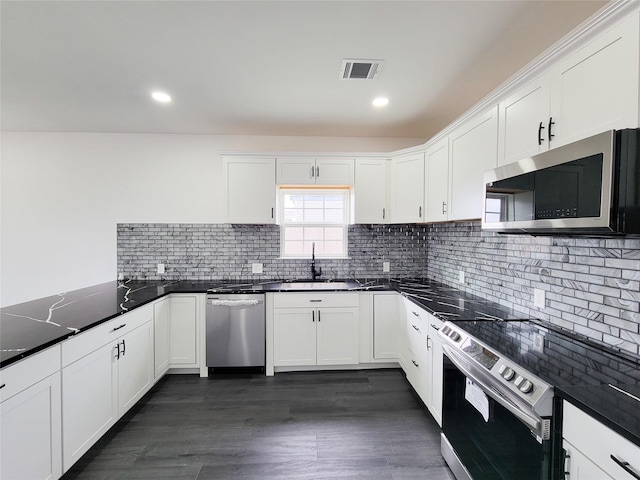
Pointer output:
x,y
344,191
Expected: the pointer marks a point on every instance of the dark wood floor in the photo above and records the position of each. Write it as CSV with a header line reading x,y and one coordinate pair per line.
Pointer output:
x,y
321,425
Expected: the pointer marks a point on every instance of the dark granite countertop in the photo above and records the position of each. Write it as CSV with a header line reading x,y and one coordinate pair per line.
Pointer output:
x,y
590,381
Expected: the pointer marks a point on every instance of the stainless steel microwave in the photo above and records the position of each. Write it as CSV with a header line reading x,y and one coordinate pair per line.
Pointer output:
x,y
589,187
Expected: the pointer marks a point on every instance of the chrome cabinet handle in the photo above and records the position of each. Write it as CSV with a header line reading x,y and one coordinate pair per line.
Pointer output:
x,y
318,316
123,347
415,328
313,170
420,211
415,313
317,172
415,363
549,134
444,209
383,213
428,338
271,212
313,315
117,347
626,466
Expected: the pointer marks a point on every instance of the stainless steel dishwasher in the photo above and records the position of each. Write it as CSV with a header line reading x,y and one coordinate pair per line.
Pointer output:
x,y
235,330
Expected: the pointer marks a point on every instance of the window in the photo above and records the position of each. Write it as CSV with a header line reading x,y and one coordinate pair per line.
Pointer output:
x,y
313,217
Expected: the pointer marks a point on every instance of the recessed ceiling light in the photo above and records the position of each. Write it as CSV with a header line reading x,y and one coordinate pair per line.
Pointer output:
x,y
161,97
380,101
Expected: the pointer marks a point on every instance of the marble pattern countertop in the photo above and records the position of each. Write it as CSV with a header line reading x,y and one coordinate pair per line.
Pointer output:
x,y
29,327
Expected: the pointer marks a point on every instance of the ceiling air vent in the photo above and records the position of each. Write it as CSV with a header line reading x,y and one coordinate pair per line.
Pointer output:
x,y
353,68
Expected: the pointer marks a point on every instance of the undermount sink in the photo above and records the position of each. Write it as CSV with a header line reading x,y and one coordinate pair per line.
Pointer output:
x,y
317,285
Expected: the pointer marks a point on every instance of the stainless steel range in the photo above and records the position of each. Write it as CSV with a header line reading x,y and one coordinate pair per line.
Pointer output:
x,y
497,414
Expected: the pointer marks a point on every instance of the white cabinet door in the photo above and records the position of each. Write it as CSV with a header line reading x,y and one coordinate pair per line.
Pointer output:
x,y
370,191
473,151
296,171
385,327
334,171
183,331
90,401
315,171
596,89
599,444
31,433
437,181
337,336
524,122
135,366
294,336
436,353
161,336
250,185
579,467
407,189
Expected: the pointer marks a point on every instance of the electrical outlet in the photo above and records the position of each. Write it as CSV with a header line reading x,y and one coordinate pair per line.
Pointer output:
x,y
256,268
538,342
461,276
386,266
539,298
161,269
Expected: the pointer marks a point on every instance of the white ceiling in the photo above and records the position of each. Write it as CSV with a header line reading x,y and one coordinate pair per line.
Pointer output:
x,y
264,67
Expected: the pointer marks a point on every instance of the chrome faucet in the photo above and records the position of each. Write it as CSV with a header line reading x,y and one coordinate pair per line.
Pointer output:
x,y
314,273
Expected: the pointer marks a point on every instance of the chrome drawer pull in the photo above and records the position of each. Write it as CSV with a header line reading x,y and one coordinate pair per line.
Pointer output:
x,y
415,328
415,363
118,328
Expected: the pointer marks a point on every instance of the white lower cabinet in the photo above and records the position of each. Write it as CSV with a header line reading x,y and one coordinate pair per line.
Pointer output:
x,y
161,337
30,418
184,330
423,356
320,329
590,448
434,344
385,327
105,371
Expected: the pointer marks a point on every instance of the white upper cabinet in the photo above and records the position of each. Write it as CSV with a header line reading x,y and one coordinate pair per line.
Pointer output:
x,y
593,90
524,122
315,171
370,190
473,150
596,88
407,188
250,185
437,181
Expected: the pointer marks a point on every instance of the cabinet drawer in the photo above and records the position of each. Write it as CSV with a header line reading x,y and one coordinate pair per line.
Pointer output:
x,y
27,372
598,442
318,300
86,342
417,338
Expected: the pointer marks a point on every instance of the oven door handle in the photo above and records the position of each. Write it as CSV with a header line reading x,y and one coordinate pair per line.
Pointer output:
x,y
533,423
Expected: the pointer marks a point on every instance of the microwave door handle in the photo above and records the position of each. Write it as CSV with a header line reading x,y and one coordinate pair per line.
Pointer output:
x,y
533,423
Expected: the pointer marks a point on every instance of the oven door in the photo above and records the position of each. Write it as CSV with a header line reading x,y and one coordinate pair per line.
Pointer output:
x,y
501,447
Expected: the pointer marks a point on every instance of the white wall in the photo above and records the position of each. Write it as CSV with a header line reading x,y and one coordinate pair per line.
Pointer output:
x,y
62,195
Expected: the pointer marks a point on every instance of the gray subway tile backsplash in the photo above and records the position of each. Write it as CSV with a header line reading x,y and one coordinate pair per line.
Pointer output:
x,y
226,252
592,285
